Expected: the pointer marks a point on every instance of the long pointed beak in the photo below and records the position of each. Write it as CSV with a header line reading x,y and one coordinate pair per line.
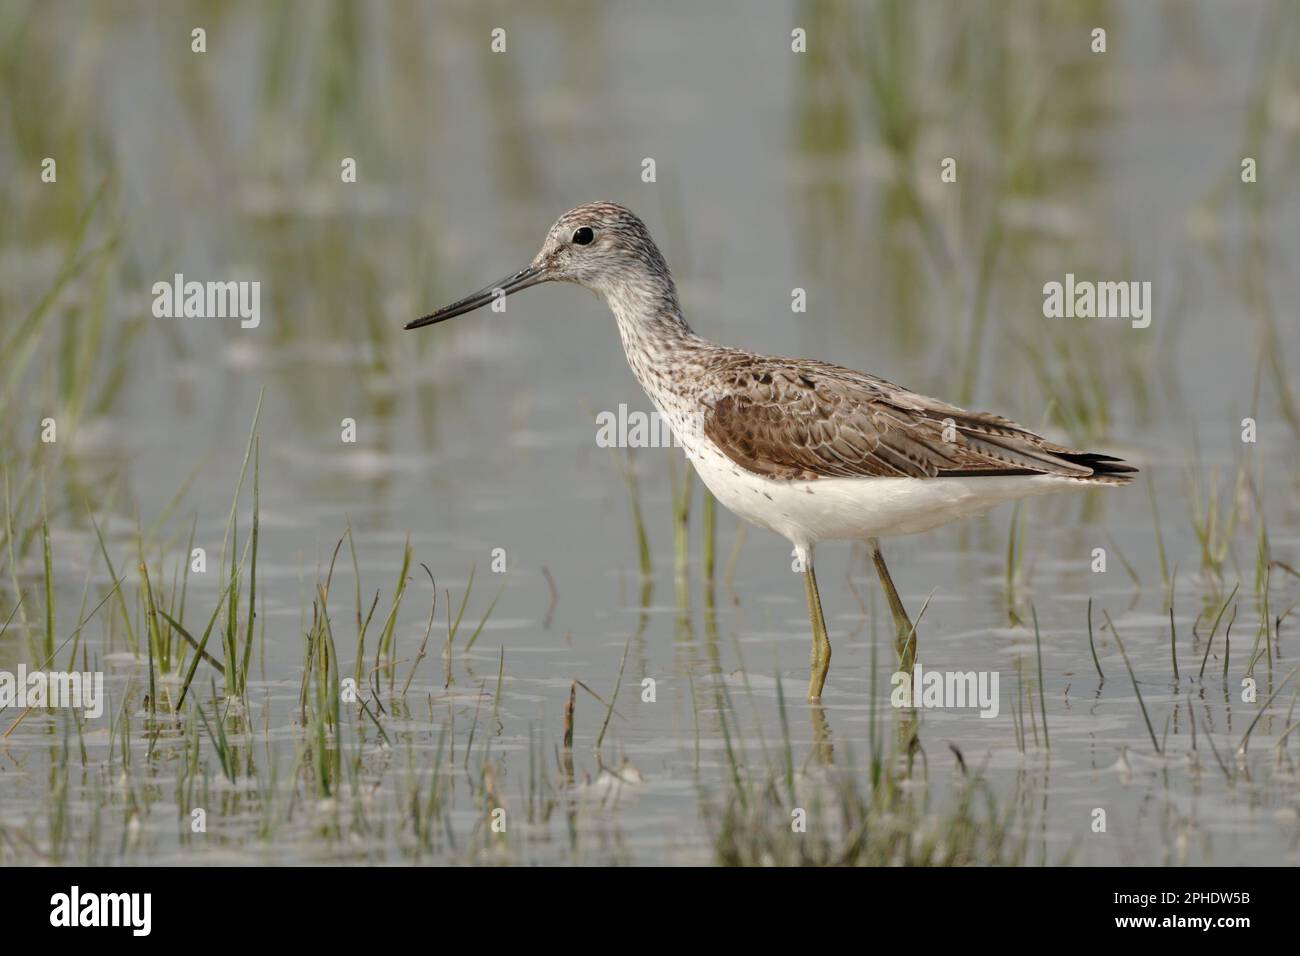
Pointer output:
x,y
520,280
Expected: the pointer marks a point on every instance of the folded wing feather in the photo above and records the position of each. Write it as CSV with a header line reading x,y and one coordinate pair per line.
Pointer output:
x,y
795,419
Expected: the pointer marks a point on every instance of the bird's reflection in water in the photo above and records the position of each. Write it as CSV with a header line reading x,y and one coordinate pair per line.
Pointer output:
x,y
823,747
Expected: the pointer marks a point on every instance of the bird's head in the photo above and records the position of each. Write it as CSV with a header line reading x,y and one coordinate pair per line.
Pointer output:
x,y
601,246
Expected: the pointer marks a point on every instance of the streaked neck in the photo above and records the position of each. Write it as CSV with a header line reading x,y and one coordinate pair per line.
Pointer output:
x,y
661,349
649,317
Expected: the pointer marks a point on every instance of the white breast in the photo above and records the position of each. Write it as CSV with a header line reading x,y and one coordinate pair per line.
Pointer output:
x,y
826,509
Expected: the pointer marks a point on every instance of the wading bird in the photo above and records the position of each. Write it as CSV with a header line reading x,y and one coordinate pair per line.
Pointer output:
x,y
809,450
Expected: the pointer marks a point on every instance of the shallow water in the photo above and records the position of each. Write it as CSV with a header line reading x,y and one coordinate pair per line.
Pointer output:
x,y
774,171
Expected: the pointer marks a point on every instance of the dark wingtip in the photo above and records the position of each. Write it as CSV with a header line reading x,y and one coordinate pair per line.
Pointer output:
x,y
1103,466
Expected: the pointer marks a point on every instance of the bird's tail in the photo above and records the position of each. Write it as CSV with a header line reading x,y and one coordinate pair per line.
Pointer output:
x,y
1106,469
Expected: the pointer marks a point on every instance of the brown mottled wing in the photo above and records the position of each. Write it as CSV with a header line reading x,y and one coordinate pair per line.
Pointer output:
x,y
794,419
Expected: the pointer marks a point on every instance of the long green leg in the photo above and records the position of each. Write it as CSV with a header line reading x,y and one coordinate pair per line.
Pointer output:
x,y
821,643
905,633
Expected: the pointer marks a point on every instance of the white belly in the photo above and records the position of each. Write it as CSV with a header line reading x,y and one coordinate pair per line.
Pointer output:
x,y
826,509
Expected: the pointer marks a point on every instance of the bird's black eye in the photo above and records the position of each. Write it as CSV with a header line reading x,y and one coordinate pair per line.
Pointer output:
x,y
583,236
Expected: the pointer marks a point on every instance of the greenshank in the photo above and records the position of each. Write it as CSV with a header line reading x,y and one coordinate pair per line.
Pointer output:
x,y
812,451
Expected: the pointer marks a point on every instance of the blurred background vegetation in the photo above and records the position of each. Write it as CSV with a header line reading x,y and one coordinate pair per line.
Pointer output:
x,y
775,170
